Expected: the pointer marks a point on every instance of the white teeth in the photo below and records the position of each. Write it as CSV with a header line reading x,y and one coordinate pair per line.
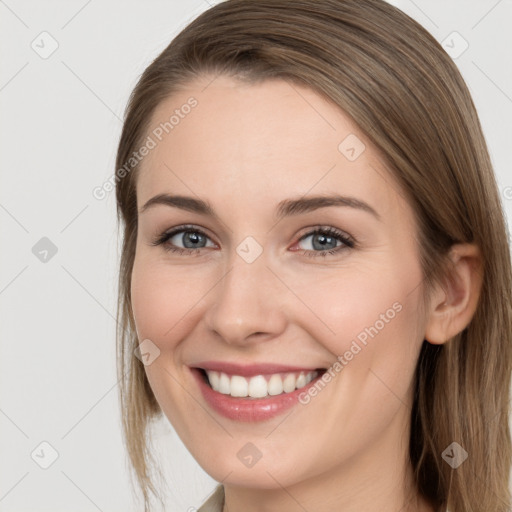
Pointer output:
x,y
214,379
301,381
289,383
224,384
239,386
258,386
275,385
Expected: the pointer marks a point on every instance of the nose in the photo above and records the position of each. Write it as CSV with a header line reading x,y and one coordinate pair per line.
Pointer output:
x,y
247,305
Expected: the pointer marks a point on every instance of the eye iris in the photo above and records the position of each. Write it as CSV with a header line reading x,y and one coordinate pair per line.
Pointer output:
x,y
194,238
323,240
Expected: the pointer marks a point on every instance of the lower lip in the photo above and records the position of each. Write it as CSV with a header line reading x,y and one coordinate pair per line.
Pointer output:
x,y
249,409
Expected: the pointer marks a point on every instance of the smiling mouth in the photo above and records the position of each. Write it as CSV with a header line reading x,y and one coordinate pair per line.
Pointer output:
x,y
259,386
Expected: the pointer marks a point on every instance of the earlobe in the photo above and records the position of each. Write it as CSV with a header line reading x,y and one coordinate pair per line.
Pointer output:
x,y
454,304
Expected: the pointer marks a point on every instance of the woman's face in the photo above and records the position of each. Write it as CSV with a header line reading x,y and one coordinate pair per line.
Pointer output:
x,y
255,296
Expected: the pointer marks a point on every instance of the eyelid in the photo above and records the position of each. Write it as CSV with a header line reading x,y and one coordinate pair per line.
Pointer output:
x,y
347,241
315,228
169,233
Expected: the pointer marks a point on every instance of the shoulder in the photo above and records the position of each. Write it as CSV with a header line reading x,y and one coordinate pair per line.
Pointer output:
x,y
215,502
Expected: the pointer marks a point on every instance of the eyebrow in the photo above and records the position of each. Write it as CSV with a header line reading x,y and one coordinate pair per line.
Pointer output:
x,y
285,208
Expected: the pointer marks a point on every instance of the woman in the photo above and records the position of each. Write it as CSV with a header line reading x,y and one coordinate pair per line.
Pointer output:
x,y
315,282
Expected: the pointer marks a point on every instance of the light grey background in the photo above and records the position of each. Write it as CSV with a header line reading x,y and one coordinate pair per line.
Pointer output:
x,y
61,119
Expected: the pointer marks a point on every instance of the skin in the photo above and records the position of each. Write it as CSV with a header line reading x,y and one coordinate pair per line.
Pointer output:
x,y
244,148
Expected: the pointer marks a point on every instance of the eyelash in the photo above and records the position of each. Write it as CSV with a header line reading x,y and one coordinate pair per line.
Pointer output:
x,y
348,242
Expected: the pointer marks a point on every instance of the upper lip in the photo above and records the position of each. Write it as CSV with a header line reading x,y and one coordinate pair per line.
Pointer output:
x,y
249,370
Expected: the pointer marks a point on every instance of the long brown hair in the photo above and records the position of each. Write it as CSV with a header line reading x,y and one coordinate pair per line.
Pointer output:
x,y
405,93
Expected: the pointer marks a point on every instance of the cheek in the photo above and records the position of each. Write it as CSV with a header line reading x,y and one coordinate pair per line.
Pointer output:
x,y
375,346
147,291
163,299
357,305
368,319
163,303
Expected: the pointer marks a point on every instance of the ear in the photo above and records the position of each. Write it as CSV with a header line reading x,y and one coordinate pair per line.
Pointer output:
x,y
454,303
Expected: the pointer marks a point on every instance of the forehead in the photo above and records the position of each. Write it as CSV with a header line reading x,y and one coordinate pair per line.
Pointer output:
x,y
261,142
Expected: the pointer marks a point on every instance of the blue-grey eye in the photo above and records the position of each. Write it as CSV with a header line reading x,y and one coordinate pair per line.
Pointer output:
x,y
190,239
321,241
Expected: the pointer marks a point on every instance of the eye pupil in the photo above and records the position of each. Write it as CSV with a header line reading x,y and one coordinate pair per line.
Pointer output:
x,y
193,237
323,240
